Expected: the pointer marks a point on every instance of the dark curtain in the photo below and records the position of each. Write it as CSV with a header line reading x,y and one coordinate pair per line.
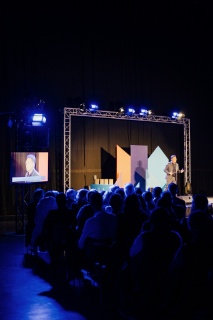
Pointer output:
x,y
7,143
116,63
94,140
93,146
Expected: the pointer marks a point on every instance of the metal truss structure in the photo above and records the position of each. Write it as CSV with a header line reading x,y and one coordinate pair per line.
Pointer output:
x,y
69,112
23,192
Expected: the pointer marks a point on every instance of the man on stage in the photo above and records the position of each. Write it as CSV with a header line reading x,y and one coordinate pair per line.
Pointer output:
x,y
171,170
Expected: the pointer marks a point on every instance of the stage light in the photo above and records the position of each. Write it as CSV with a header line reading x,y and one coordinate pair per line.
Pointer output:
x,y
178,115
121,111
93,108
38,120
82,107
145,112
10,123
130,111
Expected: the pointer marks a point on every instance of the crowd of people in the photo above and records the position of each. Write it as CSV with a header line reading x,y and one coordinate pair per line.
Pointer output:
x,y
161,261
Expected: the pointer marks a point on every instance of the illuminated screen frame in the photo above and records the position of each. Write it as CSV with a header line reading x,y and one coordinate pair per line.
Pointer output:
x,y
18,167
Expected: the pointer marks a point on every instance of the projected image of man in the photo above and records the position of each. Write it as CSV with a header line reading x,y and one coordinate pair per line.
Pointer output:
x,y
30,166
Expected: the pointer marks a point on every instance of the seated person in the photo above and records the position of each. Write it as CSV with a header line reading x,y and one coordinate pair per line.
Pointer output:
x,y
59,228
31,209
47,203
150,257
84,213
102,225
71,197
173,190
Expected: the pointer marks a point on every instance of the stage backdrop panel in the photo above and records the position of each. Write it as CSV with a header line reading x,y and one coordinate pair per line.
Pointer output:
x,y
139,165
155,175
123,167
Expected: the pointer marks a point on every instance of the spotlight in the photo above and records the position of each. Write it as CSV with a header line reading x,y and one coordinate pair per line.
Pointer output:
x,y
130,111
38,120
145,112
10,123
121,110
178,115
93,108
82,107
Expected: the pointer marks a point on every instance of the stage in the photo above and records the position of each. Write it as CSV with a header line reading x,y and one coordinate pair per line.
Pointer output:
x,y
188,200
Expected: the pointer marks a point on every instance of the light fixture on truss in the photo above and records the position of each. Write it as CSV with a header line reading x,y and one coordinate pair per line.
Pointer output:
x,y
178,115
93,108
145,112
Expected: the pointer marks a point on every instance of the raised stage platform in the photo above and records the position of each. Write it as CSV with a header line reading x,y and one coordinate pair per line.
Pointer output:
x,y
188,200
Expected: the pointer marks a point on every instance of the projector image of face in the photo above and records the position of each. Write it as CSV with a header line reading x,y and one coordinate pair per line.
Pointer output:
x,y
30,166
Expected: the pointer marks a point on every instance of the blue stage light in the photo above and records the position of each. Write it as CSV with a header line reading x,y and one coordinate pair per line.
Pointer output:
x,y
130,111
93,108
38,119
145,112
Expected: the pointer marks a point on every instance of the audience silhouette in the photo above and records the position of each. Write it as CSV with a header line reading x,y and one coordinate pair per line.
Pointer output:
x,y
150,256
101,225
31,210
162,259
47,203
85,212
58,232
71,197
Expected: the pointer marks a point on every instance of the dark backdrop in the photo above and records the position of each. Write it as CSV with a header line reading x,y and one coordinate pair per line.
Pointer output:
x,y
94,140
156,54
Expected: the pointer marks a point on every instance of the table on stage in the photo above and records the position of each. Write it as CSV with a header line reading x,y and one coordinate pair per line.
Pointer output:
x,y
101,187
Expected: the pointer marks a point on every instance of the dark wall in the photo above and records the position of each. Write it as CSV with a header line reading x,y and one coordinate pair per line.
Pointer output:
x,y
158,55
94,141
